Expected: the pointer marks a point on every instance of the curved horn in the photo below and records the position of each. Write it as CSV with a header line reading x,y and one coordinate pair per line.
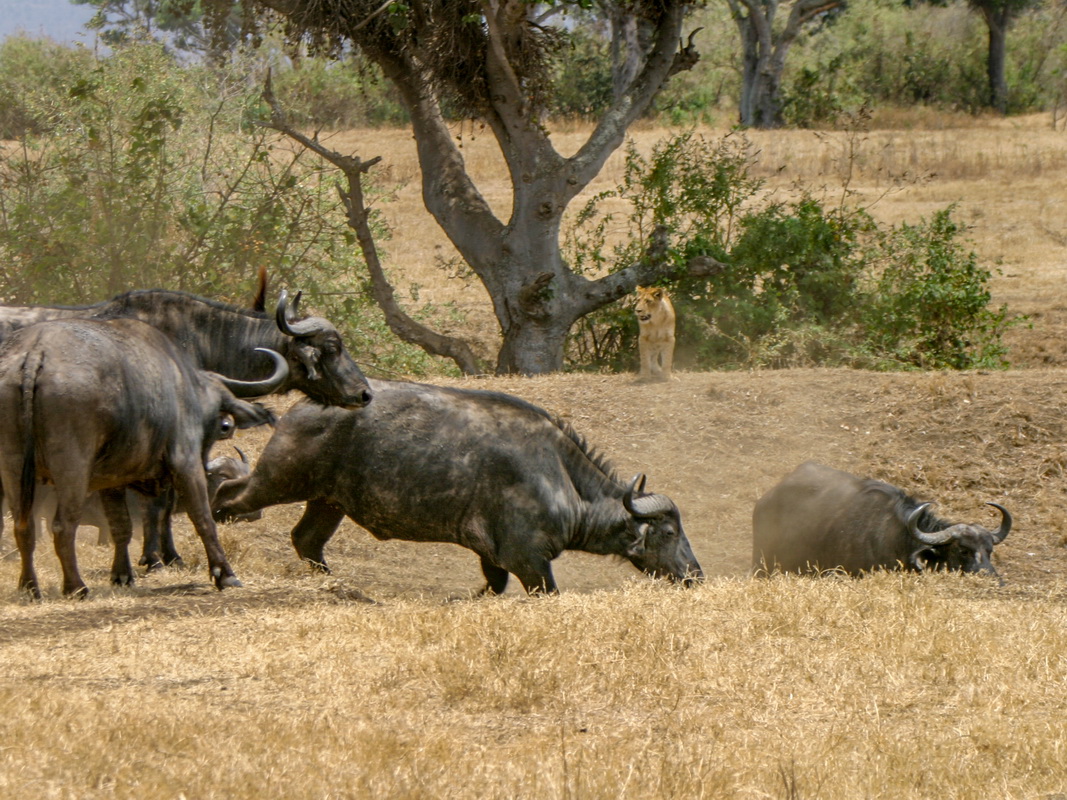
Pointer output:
x,y
651,505
628,498
1002,532
265,386
240,452
284,317
647,505
935,538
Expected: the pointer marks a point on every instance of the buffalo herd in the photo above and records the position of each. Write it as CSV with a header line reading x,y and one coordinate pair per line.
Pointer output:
x,y
108,413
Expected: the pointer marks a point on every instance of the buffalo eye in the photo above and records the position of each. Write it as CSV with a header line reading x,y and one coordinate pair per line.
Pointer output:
x,y
226,426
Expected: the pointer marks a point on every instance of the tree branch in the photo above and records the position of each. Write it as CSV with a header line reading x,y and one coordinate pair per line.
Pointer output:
x,y
359,221
611,129
650,268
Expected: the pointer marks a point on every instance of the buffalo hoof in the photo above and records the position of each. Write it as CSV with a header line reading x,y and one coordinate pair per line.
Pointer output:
x,y
151,564
122,579
318,566
79,593
225,581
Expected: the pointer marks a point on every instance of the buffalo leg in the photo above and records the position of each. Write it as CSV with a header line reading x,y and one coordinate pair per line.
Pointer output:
x,y
535,573
496,578
192,484
118,520
26,541
159,547
314,529
64,528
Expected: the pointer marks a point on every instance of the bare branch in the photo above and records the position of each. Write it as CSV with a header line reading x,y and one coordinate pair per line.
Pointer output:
x,y
358,218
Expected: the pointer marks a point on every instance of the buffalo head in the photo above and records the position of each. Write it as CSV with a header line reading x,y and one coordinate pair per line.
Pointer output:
x,y
321,368
660,547
228,468
962,547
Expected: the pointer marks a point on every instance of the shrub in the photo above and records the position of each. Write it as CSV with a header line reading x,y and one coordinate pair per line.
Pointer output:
x,y
144,178
27,68
927,303
807,284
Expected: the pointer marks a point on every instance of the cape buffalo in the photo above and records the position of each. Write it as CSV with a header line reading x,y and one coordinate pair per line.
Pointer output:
x,y
483,470
820,518
93,405
221,338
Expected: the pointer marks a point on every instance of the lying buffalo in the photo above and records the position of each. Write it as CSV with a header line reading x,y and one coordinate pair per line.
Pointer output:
x,y
819,518
479,469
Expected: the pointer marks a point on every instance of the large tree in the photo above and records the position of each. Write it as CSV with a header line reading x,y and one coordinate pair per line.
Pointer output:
x,y
765,43
492,60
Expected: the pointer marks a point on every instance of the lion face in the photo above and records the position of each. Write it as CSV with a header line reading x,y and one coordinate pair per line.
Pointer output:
x,y
653,305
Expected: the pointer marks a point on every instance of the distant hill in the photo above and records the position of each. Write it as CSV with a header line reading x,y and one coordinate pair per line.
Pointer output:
x,y
57,19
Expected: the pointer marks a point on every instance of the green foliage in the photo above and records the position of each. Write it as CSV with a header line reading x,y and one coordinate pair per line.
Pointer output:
x,y
928,302
144,178
582,85
323,93
28,67
889,53
806,284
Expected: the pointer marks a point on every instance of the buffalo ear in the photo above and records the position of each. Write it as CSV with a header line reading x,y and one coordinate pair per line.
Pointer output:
x,y
309,357
249,415
922,558
636,547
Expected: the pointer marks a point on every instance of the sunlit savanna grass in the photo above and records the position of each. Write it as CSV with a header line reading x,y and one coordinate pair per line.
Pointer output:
x,y
889,687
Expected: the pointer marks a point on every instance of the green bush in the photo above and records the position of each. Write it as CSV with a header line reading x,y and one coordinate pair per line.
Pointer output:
x,y
806,284
321,93
29,67
927,302
145,178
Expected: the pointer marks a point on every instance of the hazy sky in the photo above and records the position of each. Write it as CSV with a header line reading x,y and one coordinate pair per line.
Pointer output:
x,y
57,19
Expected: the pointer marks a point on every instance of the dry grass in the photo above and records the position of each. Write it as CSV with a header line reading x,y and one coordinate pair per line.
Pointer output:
x,y
892,686
889,687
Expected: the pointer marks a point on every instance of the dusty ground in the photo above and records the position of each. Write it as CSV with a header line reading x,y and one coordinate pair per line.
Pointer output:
x,y
716,442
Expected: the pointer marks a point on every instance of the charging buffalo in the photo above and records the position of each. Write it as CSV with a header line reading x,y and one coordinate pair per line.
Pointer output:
x,y
483,470
820,518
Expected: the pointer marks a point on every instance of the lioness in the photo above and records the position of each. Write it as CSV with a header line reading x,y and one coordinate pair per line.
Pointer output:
x,y
655,318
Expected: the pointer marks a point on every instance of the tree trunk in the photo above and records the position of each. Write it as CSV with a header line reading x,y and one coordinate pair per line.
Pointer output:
x,y
997,21
764,53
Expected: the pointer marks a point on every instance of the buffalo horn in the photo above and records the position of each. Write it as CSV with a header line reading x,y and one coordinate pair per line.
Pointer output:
x,y
286,323
935,538
240,452
1002,532
647,505
265,386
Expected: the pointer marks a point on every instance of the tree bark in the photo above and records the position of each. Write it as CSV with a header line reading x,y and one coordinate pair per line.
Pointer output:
x,y
997,21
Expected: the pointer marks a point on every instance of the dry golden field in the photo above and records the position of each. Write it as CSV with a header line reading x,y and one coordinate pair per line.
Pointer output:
x,y
892,686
